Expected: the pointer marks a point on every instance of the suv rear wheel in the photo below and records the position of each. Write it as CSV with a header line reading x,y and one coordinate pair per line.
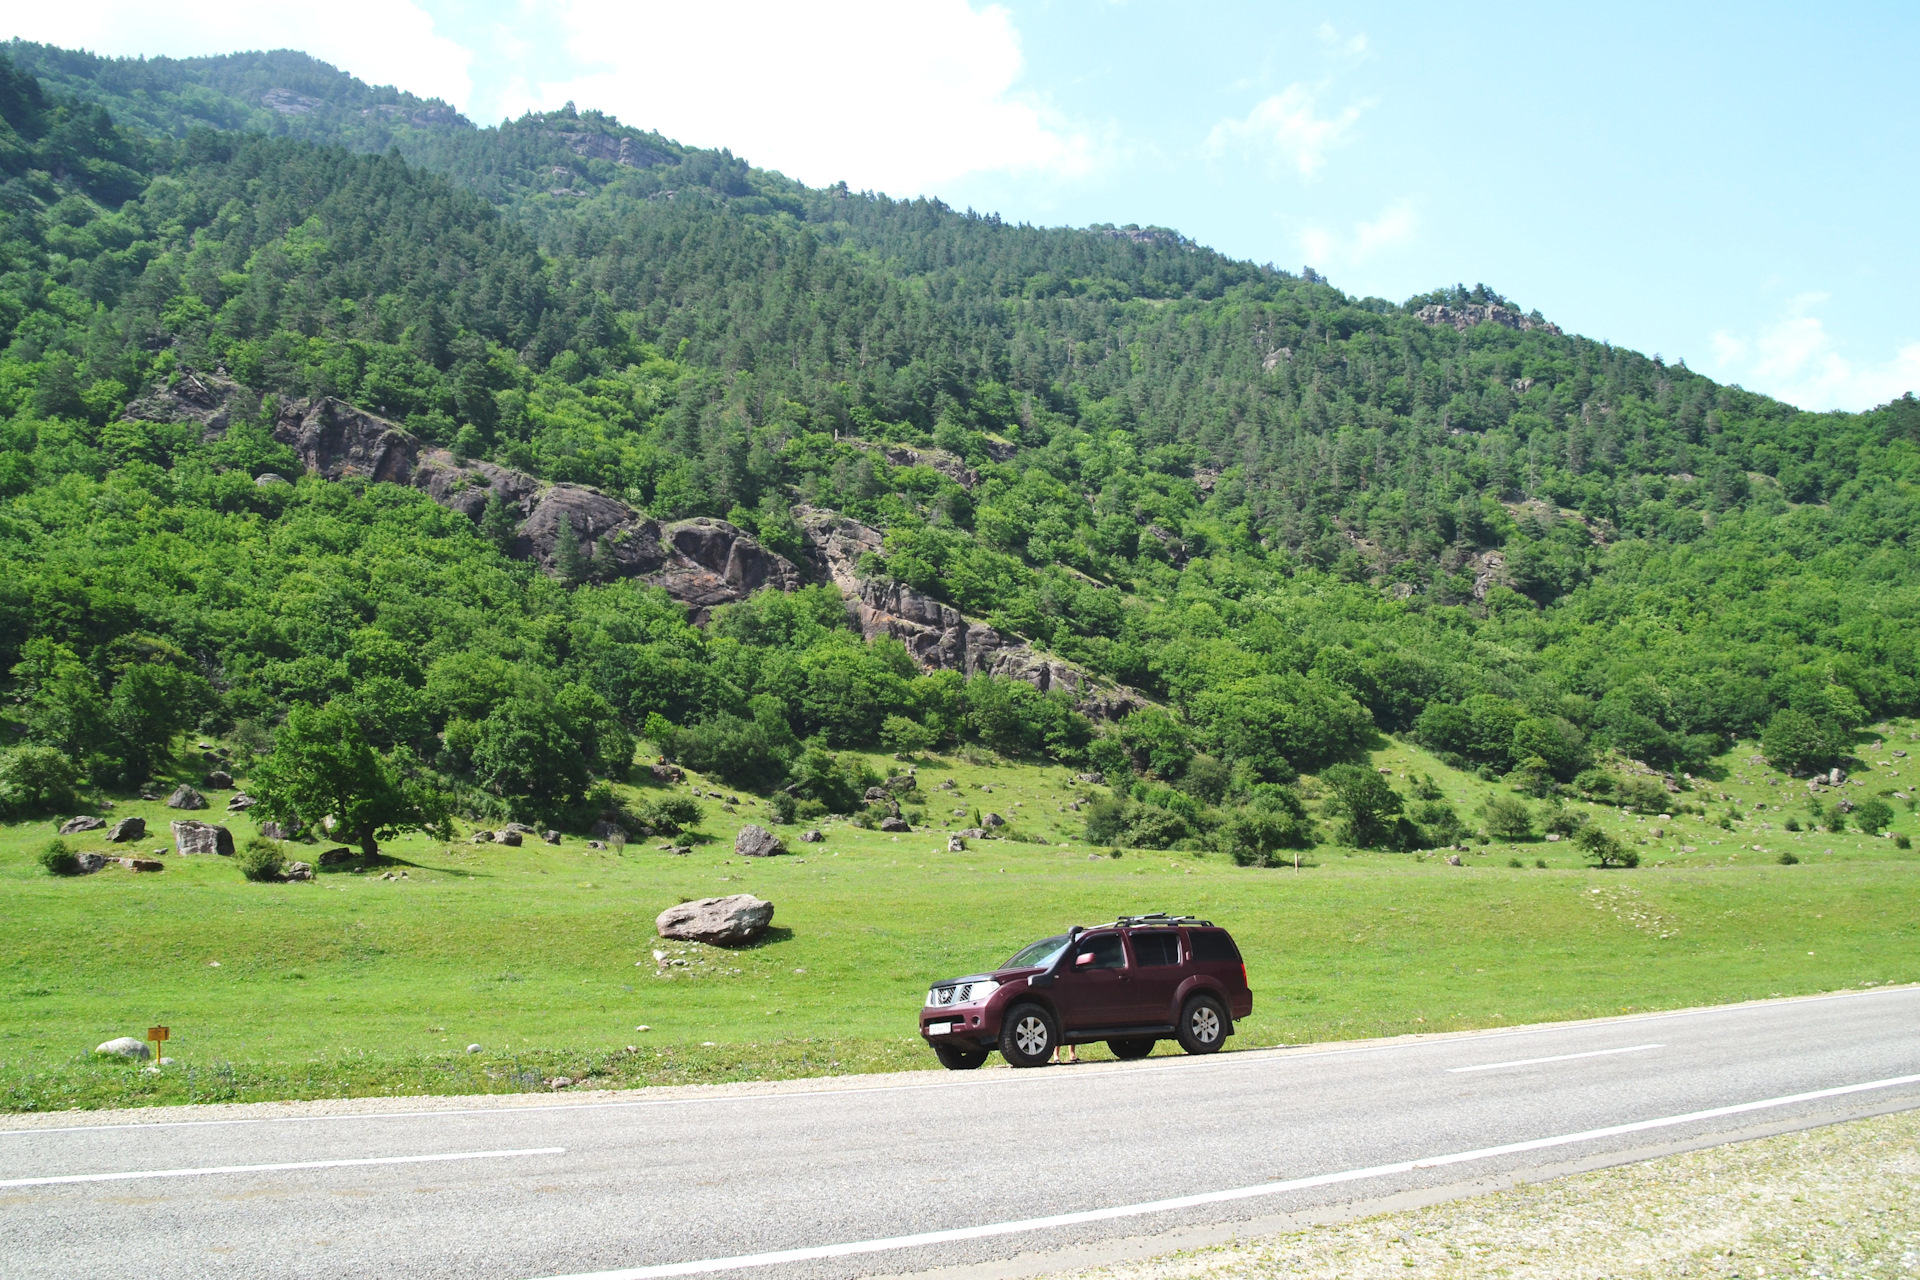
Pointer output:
x,y
1028,1036
1203,1025
958,1058
1128,1050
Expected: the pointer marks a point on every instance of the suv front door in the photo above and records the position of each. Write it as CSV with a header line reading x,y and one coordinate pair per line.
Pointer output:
x,y
1096,988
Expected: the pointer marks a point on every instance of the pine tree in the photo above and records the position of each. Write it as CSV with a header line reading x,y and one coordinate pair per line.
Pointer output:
x,y
568,564
498,524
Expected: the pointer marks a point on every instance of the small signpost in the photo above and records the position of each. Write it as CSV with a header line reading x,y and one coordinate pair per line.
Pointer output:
x,y
159,1036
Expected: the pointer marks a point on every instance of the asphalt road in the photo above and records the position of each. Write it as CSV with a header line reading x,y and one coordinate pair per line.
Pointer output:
x,y
894,1174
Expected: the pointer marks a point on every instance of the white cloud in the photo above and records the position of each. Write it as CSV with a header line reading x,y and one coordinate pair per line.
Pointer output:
x,y
1397,225
883,95
381,41
1289,126
1796,360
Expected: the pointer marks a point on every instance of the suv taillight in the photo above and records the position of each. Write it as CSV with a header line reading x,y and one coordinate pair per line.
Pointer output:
x,y
1243,975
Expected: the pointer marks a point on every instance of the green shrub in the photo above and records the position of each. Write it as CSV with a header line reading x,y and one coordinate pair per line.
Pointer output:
x,y
1566,822
1541,863
785,808
1903,841
897,733
670,811
35,780
58,859
1787,858
1603,849
261,859
1873,817
1508,818
1793,824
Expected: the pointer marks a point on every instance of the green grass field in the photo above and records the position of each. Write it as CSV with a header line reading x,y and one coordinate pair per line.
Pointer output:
x,y
357,984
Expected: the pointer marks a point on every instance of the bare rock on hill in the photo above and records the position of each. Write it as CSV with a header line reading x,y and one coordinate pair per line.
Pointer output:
x,y
711,562
1463,318
336,440
86,822
125,1047
127,829
834,545
733,921
206,398
757,842
185,797
621,542
467,487
954,468
202,837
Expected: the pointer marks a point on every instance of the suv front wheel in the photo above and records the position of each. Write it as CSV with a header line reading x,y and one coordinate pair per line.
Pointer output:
x,y
1203,1025
956,1058
1028,1036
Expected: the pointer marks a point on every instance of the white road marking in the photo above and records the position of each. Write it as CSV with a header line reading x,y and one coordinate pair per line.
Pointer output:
x,y
956,1234
1558,1057
276,1168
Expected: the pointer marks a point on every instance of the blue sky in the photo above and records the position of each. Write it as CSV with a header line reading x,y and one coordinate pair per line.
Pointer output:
x,y
1729,185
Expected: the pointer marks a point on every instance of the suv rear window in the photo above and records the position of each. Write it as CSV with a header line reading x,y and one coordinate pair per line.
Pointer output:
x,y
1213,945
1157,947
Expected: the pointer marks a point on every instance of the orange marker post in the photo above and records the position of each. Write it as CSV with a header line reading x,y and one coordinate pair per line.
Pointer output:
x,y
159,1036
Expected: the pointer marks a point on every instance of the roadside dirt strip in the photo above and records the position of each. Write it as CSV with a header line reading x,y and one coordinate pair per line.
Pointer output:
x,y
1841,1201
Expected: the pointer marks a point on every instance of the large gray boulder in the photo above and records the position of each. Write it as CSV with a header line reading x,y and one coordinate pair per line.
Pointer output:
x,y
895,824
219,780
202,837
128,829
125,1047
733,921
757,842
185,797
74,826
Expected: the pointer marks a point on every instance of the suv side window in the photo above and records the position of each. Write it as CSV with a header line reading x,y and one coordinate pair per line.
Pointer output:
x,y
1106,951
1213,945
1155,947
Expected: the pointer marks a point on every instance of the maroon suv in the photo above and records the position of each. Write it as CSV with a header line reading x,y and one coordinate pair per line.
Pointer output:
x,y
1129,983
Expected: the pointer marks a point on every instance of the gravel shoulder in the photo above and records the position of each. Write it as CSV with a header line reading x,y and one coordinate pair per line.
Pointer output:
x,y
1841,1201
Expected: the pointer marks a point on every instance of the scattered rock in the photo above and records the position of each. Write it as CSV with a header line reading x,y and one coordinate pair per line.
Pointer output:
x,y
1553,837
956,844
1453,859
1092,779
595,844
551,837
185,797
219,780
732,921
203,837
74,826
609,831
241,802
667,772
757,842
507,836
993,820
279,831
520,828
473,1048
902,782
335,856
91,862
811,837
895,824
482,837
126,1047
299,871
971,833
268,479
877,793
142,864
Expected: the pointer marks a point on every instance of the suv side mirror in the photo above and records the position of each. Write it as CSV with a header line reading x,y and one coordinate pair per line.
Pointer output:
x,y
1083,960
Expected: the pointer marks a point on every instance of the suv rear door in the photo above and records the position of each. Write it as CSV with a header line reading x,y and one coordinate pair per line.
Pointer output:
x,y
1157,973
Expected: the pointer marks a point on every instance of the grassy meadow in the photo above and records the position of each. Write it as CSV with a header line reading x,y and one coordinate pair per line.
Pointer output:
x,y
359,984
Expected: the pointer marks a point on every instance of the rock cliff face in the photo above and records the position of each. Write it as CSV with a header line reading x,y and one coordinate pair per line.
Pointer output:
x,y
1476,313
703,563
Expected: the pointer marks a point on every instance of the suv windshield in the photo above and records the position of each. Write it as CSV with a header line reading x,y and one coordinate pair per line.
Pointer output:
x,y
1038,954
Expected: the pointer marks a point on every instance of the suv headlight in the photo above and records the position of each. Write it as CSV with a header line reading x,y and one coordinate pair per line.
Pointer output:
x,y
959,993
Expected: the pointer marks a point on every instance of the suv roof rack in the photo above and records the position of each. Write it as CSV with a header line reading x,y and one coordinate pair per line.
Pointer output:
x,y
1161,918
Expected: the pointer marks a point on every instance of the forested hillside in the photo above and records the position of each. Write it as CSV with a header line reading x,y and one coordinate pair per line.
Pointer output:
x,y
1288,518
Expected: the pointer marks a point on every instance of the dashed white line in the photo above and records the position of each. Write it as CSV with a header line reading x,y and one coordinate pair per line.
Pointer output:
x,y
1558,1057
276,1168
708,1265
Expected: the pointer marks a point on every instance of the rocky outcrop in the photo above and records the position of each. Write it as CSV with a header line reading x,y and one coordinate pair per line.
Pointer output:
x,y
601,146
733,921
1466,317
947,464
336,440
467,487
834,545
205,398
616,539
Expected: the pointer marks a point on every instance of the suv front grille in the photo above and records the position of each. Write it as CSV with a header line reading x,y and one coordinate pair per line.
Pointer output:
x,y
959,993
